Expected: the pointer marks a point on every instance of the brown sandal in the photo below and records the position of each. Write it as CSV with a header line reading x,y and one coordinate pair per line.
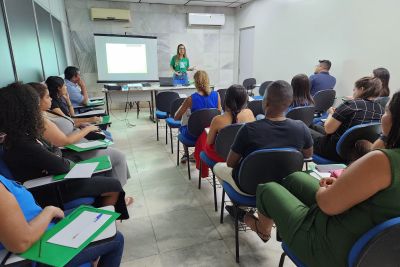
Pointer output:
x,y
263,236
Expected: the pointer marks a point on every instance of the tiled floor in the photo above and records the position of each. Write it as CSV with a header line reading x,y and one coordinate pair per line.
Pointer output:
x,y
173,223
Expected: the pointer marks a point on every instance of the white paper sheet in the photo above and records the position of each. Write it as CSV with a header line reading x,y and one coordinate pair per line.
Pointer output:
x,y
79,230
90,144
251,99
182,95
82,170
207,130
322,174
11,259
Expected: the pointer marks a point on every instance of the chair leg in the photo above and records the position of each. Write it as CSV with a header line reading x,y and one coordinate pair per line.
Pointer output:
x,y
166,133
221,219
215,194
201,165
177,152
172,143
282,260
236,209
137,109
157,128
187,161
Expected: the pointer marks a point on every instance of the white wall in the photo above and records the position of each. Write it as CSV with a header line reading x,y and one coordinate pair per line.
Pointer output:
x,y
291,35
57,9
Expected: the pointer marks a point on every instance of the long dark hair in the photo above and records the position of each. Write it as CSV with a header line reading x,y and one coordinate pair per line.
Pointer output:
x,y
20,115
383,75
53,84
393,139
235,100
372,87
301,91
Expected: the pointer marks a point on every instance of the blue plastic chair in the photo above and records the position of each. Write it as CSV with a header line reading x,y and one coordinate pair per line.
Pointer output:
x,y
198,121
163,106
223,143
171,122
259,167
261,90
377,247
323,100
345,145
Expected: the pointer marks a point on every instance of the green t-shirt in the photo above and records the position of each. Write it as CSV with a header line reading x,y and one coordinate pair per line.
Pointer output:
x,y
180,65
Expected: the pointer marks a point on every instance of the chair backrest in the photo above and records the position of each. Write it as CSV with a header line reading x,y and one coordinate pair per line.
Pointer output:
x,y
256,107
377,247
345,145
176,104
249,83
201,119
165,99
222,94
225,139
304,114
324,99
382,100
268,165
263,87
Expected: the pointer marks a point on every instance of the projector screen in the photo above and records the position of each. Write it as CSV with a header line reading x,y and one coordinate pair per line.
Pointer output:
x,y
126,58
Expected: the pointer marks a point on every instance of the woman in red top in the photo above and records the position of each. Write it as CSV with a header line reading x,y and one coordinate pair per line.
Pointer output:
x,y
235,112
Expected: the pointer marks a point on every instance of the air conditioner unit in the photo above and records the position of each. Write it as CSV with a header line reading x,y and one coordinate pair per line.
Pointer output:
x,y
196,19
110,14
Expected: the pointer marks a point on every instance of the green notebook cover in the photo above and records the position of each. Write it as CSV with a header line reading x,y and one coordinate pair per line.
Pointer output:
x,y
105,143
104,165
105,119
96,103
57,255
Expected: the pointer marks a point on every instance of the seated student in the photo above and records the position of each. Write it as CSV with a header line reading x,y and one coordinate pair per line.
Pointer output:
x,y
67,134
60,131
320,222
301,92
275,131
390,128
23,222
76,87
362,109
61,103
321,79
235,112
203,98
383,75
29,157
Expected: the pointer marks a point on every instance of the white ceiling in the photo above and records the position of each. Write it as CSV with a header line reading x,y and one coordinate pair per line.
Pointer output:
x,y
222,3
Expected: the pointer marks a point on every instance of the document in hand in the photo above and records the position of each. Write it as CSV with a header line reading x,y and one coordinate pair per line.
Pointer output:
x,y
60,254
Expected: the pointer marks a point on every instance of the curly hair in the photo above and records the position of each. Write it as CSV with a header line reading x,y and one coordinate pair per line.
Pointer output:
x,y
20,114
202,82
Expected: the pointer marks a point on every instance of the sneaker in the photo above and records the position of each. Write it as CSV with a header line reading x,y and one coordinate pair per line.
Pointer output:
x,y
183,159
231,211
191,158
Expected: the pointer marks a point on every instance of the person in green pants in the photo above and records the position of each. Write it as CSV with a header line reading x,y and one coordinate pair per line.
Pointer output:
x,y
320,221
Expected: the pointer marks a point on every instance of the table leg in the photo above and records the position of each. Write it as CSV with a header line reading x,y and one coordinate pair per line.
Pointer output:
x,y
107,107
152,97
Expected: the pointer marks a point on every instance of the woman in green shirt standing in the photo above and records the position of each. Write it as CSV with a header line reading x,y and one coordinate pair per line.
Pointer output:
x,y
321,221
180,65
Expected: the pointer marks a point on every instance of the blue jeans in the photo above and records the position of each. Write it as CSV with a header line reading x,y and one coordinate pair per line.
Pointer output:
x,y
181,79
110,253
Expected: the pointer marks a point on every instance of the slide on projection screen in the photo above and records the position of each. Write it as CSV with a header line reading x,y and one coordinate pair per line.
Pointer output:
x,y
126,58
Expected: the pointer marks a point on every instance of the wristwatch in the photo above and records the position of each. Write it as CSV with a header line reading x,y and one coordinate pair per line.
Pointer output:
x,y
383,138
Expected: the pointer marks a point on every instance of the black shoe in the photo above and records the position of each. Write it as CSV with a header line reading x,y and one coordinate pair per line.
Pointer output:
x,y
231,211
183,159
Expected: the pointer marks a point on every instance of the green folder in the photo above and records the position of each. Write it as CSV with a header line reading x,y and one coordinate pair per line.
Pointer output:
x,y
105,143
104,165
96,103
57,255
105,119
